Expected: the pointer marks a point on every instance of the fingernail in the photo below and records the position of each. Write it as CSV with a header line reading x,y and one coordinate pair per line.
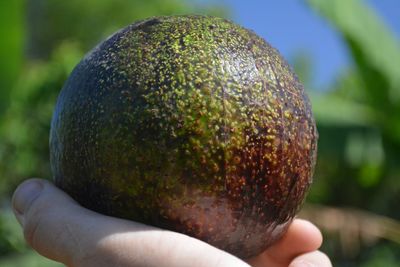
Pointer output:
x,y
301,263
25,194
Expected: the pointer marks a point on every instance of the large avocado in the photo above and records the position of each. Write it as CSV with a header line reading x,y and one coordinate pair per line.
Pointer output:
x,y
189,123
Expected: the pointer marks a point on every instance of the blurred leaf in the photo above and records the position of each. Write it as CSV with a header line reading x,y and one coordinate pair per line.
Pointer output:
x,y
333,110
374,48
11,45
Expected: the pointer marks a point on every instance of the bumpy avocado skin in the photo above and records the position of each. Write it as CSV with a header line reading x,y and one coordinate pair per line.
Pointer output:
x,y
189,123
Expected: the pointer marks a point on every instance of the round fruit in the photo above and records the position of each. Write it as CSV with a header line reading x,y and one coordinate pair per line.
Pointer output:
x,y
189,123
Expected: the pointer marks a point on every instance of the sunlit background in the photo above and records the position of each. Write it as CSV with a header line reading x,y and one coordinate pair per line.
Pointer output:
x,y
346,53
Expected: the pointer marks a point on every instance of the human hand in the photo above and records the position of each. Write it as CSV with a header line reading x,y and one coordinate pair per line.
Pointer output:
x,y
59,229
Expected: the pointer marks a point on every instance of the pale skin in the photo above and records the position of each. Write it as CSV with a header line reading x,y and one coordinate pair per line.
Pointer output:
x,y
58,228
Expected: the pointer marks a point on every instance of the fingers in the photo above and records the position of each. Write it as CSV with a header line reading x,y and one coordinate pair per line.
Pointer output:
x,y
311,259
58,228
52,222
301,237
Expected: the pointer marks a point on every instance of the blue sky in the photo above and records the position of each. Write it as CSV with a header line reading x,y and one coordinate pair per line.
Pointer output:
x,y
291,27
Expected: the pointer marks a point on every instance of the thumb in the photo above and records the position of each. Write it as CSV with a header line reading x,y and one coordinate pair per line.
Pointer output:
x,y
52,222
58,228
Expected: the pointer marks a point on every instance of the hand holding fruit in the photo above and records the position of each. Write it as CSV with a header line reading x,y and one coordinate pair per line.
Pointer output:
x,y
58,228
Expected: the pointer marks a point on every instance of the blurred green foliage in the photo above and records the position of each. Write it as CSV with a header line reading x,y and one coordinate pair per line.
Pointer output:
x,y
357,117
12,32
358,121
25,124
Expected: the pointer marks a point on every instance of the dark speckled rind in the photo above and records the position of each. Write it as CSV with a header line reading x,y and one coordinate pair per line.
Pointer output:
x,y
188,123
